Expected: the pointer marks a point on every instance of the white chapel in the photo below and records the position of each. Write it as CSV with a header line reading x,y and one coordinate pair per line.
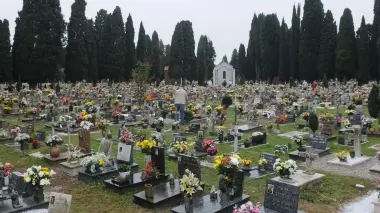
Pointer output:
x,y
224,72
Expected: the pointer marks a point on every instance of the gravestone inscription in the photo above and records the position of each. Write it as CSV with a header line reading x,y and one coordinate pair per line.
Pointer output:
x,y
318,142
59,203
271,159
191,163
281,197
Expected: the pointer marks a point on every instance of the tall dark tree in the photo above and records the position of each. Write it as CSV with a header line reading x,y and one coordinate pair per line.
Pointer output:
x,y
16,43
295,42
176,69
346,52
374,102
155,58
205,59
148,48
92,56
283,61
311,27
76,58
100,28
363,53
375,31
234,59
130,54
5,52
224,59
241,70
326,64
166,59
115,49
251,50
140,49
269,43
257,46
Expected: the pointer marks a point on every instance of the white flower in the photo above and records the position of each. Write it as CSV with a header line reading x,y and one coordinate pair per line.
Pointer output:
x,y
234,161
44,182
41,173
291,170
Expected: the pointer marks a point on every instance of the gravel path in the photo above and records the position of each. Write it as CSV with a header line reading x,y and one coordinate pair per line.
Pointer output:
x,y
361,170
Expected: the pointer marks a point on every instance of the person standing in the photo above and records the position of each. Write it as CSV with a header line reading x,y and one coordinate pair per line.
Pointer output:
x,y
180,102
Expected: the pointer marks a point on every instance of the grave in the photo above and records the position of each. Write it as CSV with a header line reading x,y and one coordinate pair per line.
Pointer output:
x,y
280,198
375,168
164,195
71,169
319,145
54,161
136,181
291,134
206,205
107,173
25,203
59,203
191,163
301,179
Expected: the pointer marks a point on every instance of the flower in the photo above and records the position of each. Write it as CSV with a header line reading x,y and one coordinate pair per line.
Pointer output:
x,y
247,162
22,138
263,161
86,125
53,140
343,155
94,163
285,168
189,184
183,146
38,176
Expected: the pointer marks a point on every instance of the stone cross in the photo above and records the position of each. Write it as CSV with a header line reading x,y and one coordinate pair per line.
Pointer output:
x,y
357,144
310,157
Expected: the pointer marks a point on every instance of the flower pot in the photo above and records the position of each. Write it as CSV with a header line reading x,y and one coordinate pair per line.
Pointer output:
x,y
55,152
188,204
39,194
210,159
124,176
352,154
247,144
246,169
343,159
35,145
6,180
148,191
261,168
220,138
24,146
301,149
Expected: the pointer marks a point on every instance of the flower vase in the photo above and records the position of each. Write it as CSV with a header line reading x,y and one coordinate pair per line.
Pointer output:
x,y
55,152
261,168
103,133
147,159
24,145
39,194
188,204
6,180
149,191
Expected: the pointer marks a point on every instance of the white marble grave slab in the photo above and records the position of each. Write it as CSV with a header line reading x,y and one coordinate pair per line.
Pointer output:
x,y
292,134
36,211
301,179
362,205
350,162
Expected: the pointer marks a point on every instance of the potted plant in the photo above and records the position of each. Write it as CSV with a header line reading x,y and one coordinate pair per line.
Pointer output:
x,y
211,151
175,126
103,125
246,165
54,141
261,164
298,140
124,172
285,169
257,138
342,156
189,185
36,144
23,139
151,171
227,165
94,164
38,177
74,156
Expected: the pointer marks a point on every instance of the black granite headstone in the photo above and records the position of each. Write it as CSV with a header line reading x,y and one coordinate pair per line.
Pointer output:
x,y
191,163
271,159
318,142
178,137
17,181
239,183
158,156
41,135
291,117
281,197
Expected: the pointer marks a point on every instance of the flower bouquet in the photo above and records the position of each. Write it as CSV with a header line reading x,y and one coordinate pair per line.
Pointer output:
x,y
261,164
151,171
15,130
92,109
285,169
7,109
247,164
53,140
305,116
5,171
280,150
172,108
326,117
350,112
181,147
189,184
226,165
146,146
94,164
86,125
342,156
298,141
22,138
346,123
38,177
103,125
218,110
115,102
208,109
126,137
247,208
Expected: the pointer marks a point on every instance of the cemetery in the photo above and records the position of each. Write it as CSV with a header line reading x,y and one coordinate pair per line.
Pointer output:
x,y
102,123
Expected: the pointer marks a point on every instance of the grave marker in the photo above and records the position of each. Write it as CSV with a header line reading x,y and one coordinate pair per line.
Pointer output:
x,y
30,128
158,156
281,197
318,142
59,203
191,163
124,153
271,159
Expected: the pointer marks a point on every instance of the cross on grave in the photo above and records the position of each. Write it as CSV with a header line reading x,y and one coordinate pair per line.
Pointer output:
x,y
357,144
310,157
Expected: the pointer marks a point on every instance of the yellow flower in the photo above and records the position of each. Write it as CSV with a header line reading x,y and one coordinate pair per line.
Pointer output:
x,y
85,117
45,169
225,177
26,177
101,162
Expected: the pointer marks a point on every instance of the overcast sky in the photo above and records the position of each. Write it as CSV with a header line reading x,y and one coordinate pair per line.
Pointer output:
x,y
225,22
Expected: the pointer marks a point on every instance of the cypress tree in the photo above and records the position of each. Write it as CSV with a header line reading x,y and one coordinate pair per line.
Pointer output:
x,y
148,48
375,31
241,70
211,54
313,122
269,43
283,61
155,58
100,28
363,47
162,58
310,32
326,64
5,52
234,59
177,53
257,47
295,42
189,63
16,43
91,47
250,75
201,59
76,58
374,102
224,59
130,55
140,49
346,53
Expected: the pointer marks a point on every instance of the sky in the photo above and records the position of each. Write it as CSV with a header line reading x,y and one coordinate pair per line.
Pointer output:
x,y
225,22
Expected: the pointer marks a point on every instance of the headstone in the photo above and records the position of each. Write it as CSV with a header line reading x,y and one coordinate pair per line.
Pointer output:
x,y
318,142
41,135
178,137
59,203
239,183
106,146
158,156
124,153
271,159
281,197
190,163
84,141
3,124
17,181
291,117
30,128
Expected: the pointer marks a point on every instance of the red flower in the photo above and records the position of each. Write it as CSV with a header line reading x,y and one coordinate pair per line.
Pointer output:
x,y
148,172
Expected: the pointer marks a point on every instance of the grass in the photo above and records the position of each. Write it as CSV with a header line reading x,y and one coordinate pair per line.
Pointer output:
x,y
326,197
